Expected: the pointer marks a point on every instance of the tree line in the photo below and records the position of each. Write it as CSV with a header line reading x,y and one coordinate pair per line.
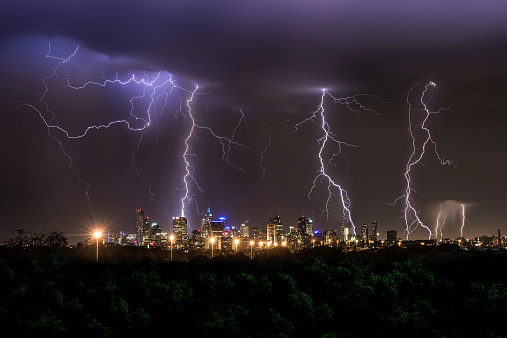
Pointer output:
x,y
319,292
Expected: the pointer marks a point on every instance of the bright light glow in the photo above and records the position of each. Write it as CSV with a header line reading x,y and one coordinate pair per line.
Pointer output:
x,y
97,234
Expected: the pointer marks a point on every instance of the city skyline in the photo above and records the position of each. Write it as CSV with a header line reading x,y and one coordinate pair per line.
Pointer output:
x,y
275,109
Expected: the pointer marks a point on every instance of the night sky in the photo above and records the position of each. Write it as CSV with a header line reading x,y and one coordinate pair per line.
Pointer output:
x,y
260,67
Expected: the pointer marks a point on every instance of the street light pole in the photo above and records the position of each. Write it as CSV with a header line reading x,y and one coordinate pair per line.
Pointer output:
x,y
251,249
172,239
212,240
97,234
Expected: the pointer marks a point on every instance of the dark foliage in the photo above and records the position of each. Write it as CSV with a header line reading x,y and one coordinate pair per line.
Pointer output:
x,y
323,292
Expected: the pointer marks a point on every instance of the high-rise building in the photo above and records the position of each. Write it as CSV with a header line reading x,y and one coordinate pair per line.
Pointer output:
x,y
206,224
180,230
374,234
364,233
344,232
304,231
217,227
139,226
274,230
146,231
156,233
244,230
309,226
255,233
302,225
392,236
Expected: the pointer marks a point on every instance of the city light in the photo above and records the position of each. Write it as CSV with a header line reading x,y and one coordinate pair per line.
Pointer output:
x,y
172,240
212,240
97,234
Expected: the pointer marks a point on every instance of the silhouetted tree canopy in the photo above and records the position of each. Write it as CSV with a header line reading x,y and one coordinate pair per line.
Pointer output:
x,y
316,293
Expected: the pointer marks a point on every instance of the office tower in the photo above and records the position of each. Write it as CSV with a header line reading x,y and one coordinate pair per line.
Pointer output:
x,y
206,224
139,226
392,236
274,230
374,234
344,232
156,233
180,230
217,227
364,233
309,226
245,230
255,233
302,225
146,231
303,231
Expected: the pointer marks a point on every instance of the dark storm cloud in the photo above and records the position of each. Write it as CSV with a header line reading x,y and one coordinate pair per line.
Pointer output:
x,y
270,58
258,48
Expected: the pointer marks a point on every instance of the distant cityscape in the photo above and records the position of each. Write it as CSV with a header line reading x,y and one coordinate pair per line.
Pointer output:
x,y
216,234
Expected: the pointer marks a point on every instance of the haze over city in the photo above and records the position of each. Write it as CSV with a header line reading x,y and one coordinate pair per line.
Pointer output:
x,y
254,81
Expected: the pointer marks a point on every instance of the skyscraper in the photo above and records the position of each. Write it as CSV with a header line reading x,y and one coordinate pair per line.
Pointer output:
x,y
156,233
302,225
206,224
245,230
274,230
392,236
180,229
374,234
305,238
364,233
146,231
309,226
139,226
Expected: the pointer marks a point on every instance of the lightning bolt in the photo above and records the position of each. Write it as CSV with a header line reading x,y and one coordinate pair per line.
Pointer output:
x,y
463,219
329,138
420,137
439,226
145,110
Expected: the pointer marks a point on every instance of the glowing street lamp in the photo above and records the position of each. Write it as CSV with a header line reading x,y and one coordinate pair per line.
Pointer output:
x,y
172,240
313,243
236,241
212,240
251,249
97,234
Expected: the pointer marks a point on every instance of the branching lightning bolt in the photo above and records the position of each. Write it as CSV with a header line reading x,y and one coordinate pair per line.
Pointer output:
x,y
420,137
156,90
329,137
